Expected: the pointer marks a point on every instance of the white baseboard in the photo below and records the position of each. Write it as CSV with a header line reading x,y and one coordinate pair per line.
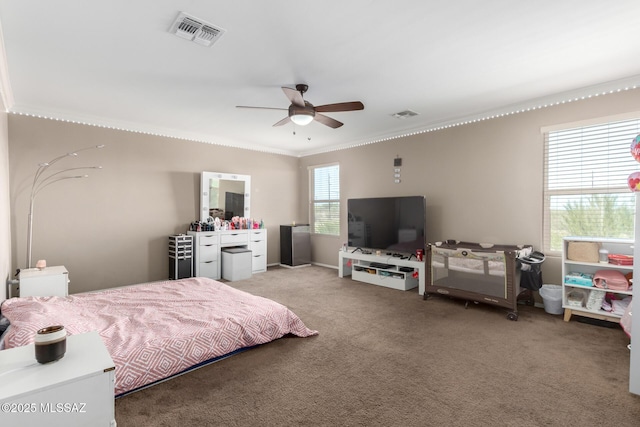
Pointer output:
x,y
277,264
335,267
294,266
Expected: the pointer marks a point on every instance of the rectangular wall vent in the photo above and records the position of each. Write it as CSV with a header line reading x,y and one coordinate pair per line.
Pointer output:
x,y
187,28
404,114
207,35
196,30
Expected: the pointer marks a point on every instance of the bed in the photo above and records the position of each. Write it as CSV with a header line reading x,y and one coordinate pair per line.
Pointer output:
x,y
157,330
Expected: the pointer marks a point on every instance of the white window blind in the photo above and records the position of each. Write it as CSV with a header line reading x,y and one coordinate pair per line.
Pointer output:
x,y
325,206
585,182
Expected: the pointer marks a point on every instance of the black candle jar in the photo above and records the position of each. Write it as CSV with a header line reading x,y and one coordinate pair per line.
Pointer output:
x,y
50,343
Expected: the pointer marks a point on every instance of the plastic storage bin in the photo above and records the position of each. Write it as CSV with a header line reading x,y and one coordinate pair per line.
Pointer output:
x,y
576,298
552,298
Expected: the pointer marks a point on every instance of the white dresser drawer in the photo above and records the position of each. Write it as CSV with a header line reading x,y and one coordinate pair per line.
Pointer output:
x,y
258,235
208,253
259,263
208,239
209,269
258,248
239,238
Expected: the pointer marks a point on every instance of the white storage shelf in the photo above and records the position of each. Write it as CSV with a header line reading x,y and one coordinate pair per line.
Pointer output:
x,y
358,266
614,246
390,277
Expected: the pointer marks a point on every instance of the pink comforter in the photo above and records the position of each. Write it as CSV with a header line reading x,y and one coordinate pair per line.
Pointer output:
x,y
156,330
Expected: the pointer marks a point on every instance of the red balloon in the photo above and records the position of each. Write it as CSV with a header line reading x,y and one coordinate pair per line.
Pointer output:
x,y
634,181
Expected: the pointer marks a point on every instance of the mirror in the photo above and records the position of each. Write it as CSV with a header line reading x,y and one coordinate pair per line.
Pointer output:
x,y
224,195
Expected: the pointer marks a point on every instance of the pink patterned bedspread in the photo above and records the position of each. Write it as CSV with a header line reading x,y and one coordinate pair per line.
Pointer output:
x,y
156,330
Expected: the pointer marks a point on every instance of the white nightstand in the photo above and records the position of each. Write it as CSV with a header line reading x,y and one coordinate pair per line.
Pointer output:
x,y
50,281
77,390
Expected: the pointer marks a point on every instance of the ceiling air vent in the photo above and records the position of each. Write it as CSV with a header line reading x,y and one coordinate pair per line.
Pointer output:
x,y
196,30
404,114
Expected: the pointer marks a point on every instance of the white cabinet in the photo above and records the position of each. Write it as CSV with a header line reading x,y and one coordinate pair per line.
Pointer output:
x,y
77,390
584,299
207,246
206,254
50,281
382,270
258,246
387,275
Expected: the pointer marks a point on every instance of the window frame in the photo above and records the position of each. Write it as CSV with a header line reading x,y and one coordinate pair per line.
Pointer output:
x,y
331,201
620,186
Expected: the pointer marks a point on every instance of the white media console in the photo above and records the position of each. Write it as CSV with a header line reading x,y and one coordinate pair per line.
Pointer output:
x,y
382,270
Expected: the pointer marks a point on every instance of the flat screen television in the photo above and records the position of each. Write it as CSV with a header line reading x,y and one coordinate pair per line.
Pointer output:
x,y
392,224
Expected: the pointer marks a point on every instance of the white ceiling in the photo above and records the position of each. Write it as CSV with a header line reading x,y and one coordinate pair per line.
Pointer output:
x,y
114,63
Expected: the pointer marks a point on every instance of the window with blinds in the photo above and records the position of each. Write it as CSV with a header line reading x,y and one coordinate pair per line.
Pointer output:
x,y
325,199
585,182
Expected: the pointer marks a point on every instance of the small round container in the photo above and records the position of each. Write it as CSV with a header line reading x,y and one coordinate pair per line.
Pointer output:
x,y
50,343
603,255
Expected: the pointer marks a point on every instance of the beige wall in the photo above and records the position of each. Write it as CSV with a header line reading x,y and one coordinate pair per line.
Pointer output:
x,y
111,229
482,182
5,224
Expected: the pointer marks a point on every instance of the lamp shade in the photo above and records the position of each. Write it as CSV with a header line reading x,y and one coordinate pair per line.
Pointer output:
x,y
302,115
302,118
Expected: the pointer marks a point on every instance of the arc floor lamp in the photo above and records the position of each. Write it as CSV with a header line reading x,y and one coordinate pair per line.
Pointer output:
x,y
41,180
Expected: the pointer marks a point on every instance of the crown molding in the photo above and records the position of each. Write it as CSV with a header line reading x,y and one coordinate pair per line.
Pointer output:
x,y
576,95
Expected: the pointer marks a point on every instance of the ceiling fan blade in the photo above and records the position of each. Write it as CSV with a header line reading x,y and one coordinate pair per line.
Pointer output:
x,y
326,120
341,106
261,108
294,96
283,122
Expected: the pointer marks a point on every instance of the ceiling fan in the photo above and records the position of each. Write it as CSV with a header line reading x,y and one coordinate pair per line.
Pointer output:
x,y
302,112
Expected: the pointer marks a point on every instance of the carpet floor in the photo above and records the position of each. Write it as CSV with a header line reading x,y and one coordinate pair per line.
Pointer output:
x,y
388,358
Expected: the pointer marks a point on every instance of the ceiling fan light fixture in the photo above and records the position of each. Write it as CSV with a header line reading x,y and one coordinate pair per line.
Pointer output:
x,y
300,115
302,112
302,118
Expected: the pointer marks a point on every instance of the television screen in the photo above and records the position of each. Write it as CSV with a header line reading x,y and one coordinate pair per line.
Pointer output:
x,y
392,224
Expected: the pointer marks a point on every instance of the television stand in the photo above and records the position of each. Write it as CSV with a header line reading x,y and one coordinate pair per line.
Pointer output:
x,y
382,270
